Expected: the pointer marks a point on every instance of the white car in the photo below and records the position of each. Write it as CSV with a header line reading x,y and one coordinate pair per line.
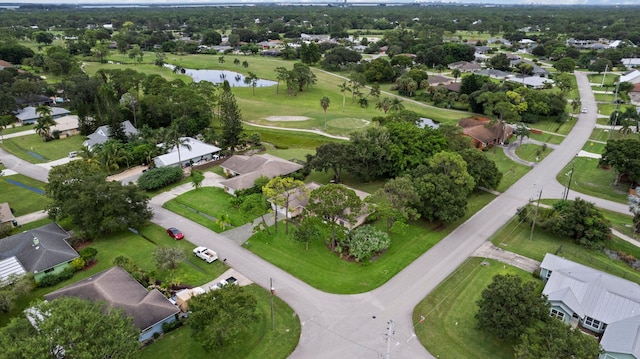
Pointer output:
x,y
584,110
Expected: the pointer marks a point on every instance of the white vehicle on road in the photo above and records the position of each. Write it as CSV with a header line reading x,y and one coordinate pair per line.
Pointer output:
x,y
206,254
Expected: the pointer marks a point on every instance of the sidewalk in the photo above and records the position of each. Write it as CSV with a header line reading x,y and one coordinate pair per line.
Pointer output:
x,y
31,217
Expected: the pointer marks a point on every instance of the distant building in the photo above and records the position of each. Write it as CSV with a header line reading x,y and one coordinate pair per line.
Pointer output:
x,y
244,170
102,134
29,116
197,152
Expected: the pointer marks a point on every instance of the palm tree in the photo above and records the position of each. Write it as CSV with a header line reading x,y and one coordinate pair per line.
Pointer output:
x,y
324,103
221,59
88,155
396,105
575,104
43,129
173,139
521,131
110,154
456,73
251,79
344,87
363,102
384,105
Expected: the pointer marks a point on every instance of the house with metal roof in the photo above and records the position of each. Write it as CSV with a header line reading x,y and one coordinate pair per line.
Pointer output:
x,y
601,303
28,115
245,170
191,152
115,286
103,133
41,251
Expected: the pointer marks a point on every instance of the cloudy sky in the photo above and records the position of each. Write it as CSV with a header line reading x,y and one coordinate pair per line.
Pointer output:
x,y
516,2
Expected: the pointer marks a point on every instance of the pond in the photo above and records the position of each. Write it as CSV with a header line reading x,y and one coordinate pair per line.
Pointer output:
x,y
218,76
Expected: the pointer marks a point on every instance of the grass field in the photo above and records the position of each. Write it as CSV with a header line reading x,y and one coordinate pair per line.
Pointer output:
x,y
449,329
547,137
213,202
260,342
590,179
32,149
20,199
10,130
561,128
511,171
609,78
532,152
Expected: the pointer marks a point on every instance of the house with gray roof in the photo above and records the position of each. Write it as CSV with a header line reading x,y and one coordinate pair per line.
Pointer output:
x,y
28,115
41,251
245,170
102,134
115,286
599,302
191,152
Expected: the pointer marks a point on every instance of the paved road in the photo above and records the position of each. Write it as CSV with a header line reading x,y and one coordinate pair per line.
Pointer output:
x,y
12,162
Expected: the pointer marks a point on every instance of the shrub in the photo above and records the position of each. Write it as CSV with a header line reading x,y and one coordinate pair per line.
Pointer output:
x,y
159,177
281,147
88,254
365,242
50,280
78,264
169,327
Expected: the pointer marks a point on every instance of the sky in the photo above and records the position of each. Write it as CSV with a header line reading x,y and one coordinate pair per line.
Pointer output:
x,y
504,2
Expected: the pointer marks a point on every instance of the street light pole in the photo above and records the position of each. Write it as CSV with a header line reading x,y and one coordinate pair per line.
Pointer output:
x,y
566,194
535,216
273,290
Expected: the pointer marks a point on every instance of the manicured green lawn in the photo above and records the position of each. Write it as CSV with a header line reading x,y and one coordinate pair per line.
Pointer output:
x,y
212,201
532,152
604,97
609,78
590,179
262,341
561,128
594,147
511,171
32,149
547,137
290,139
449,328
326,271
22,200
514,237
16,129
605,134
620,222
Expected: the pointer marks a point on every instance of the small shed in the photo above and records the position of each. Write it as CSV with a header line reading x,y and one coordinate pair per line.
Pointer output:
x,y
184,295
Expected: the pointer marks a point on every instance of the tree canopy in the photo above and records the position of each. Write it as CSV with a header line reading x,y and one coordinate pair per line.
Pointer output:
x,y
80,328
509,306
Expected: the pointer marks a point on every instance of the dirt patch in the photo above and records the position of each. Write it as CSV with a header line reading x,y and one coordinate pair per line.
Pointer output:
x,y
286,118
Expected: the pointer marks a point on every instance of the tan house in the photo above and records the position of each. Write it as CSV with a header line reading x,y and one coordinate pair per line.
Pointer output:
x,y
66,126
483,133
299,199
634,95
245,170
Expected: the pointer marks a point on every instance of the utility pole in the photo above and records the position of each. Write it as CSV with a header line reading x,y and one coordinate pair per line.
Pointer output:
x,y
617,111
273,290
604,75
390,332
535,216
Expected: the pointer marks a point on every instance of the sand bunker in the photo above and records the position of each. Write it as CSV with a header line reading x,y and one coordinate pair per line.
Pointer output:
x,y
287,118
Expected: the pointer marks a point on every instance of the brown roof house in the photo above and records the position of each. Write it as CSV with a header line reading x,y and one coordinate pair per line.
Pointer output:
x,y
634,95
483,133
43,250
115,286
244,170
299,199
6,217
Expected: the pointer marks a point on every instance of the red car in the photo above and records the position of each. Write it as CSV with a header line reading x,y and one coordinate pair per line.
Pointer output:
x,y
175,233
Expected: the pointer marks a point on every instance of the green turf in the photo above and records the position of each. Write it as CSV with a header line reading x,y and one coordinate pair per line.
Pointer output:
x,y
609,78
594,147
260,342
532,152
511,171
561,128
51,150
324,270
589,178
212,201
604,97
16,129
22,200
547,137
449,328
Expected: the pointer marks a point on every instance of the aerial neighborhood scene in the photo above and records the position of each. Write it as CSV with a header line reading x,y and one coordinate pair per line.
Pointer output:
x,y
330,179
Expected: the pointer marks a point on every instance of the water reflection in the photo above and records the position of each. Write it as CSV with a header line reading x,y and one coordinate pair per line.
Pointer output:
x,y
218,76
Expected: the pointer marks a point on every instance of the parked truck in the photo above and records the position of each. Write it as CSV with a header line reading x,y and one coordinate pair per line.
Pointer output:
x,y
228,281
206,254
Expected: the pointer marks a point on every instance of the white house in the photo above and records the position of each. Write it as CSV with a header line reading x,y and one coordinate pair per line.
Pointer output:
x,y
102,134
599,302
196,152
